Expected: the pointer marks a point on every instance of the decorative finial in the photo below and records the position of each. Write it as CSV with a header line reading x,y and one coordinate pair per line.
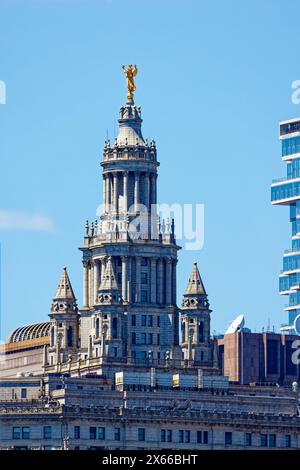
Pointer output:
x,y
87,228
130,73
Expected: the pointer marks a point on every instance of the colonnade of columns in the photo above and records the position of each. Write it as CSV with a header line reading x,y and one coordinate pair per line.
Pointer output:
x,y
160,286
112,189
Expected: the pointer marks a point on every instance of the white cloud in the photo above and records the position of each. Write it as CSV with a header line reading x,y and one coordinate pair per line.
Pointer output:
x,y
10,220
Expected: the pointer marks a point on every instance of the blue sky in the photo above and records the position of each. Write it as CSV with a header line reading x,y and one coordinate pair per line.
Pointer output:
x,y
214,80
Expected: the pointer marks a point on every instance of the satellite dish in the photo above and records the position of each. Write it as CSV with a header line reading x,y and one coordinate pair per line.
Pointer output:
x,y
297,325
237,325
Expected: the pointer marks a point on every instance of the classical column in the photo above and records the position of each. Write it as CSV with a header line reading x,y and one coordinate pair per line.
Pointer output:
x,y
104,193
109,192
129,279
168,281
125,194
138,279
124,278
174,281
91,283
65,340
85,283
136,190
146,190
96,279
153,280
153,188
115,192
160,281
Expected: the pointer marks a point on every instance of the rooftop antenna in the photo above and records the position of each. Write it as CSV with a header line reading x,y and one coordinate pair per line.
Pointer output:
x,y
114,128
107,134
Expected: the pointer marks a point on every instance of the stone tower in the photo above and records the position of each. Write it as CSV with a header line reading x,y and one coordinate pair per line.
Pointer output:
x,y
64,322
129,311
195,322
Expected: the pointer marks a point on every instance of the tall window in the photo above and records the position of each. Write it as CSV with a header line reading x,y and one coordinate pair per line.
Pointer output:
x,y
47,432
97,327
144,296
133,338
141,434
101,433
26,432
23,392
93,431
70,336
184,436
272,440
133,320
201,332
76,432
144,320
143,338
183,333
263,440
150,320
144,278
166,435
228,438
117,433
52,336
287,440
248,439
115,327
16,432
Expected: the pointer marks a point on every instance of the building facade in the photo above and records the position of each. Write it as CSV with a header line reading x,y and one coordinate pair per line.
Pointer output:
x,y
61,412
117,372
258,358
286,191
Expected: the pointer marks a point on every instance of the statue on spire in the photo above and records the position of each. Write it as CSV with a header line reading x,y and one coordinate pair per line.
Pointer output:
x,y
130,73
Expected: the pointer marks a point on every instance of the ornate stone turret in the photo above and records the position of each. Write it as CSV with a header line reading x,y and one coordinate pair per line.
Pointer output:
x,y
130,259
108,290
195,322
64,324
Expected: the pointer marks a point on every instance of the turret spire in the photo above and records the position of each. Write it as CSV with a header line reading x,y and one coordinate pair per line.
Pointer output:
x,y
64,290
109,279
195,285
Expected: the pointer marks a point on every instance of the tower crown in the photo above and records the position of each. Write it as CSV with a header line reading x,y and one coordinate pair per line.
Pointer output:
x,y
130,125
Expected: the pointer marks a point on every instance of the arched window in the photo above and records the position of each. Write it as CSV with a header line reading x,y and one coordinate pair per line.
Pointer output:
x,y
201,332
97,327
52,336
115,328
70,336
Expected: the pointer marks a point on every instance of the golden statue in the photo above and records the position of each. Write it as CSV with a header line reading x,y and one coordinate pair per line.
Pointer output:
x,y
130,73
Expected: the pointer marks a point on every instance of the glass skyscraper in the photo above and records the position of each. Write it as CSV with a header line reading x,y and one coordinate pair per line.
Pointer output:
x,y
286,191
